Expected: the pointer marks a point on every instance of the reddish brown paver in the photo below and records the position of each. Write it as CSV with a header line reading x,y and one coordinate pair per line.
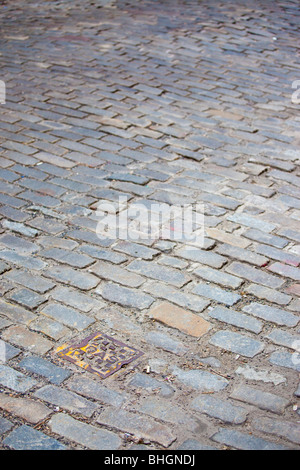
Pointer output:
x,y
181,319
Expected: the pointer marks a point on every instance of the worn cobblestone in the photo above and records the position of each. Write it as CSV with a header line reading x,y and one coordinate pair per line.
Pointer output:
x,y
158,103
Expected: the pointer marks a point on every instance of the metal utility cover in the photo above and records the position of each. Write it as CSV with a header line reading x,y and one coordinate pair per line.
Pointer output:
x,y
99,354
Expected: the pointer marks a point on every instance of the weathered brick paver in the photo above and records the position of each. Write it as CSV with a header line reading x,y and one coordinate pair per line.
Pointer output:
x,y
162,104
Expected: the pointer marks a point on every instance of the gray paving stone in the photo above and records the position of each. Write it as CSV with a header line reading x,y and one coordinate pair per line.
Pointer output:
x,y
22,260
72,258
5,425
89,237
237,319
22,246
260,375
285,359
7,351
49,327
219,277
140,426
124,296
28,438
151,384
84,434
264,237
35,283
90,388
70,276
15,380
242,441
284,338
220,409
237,343
192,444
265,400
27,298
68,400
285,429
100,253
201,256
165,342
216,293
252,222
184,299
75,299
285,271
67,316
161,273
271,295
3,267
272,314
117,274
278,254
200,379
40,366
254,275
242,254
167,411
15,313
135,249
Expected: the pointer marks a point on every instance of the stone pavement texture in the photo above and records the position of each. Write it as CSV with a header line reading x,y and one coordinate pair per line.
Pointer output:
x,y
176,101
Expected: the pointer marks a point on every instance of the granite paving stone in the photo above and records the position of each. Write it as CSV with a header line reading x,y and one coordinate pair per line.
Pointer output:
x,y
84,434
237,343
181,119
243,441
40,366
272,314
220,409
27,438
140,426
70,401
265,400
31,411
237,319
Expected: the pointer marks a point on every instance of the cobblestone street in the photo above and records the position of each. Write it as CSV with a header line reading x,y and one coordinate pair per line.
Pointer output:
x,y
157,343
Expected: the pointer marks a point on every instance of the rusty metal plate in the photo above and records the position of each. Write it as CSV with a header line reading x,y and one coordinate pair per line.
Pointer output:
x,y
99,354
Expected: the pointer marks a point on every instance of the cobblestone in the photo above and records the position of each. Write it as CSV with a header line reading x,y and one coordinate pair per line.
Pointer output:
x,y
27,409
237,343
84,434
242,441
265,400
236,318
40,366
183,320
189,108
219,409
274,315
23,337
15,380
254,275
68,400
67,316
28,438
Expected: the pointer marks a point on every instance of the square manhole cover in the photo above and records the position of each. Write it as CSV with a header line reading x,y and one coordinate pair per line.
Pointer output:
x,y
99,354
